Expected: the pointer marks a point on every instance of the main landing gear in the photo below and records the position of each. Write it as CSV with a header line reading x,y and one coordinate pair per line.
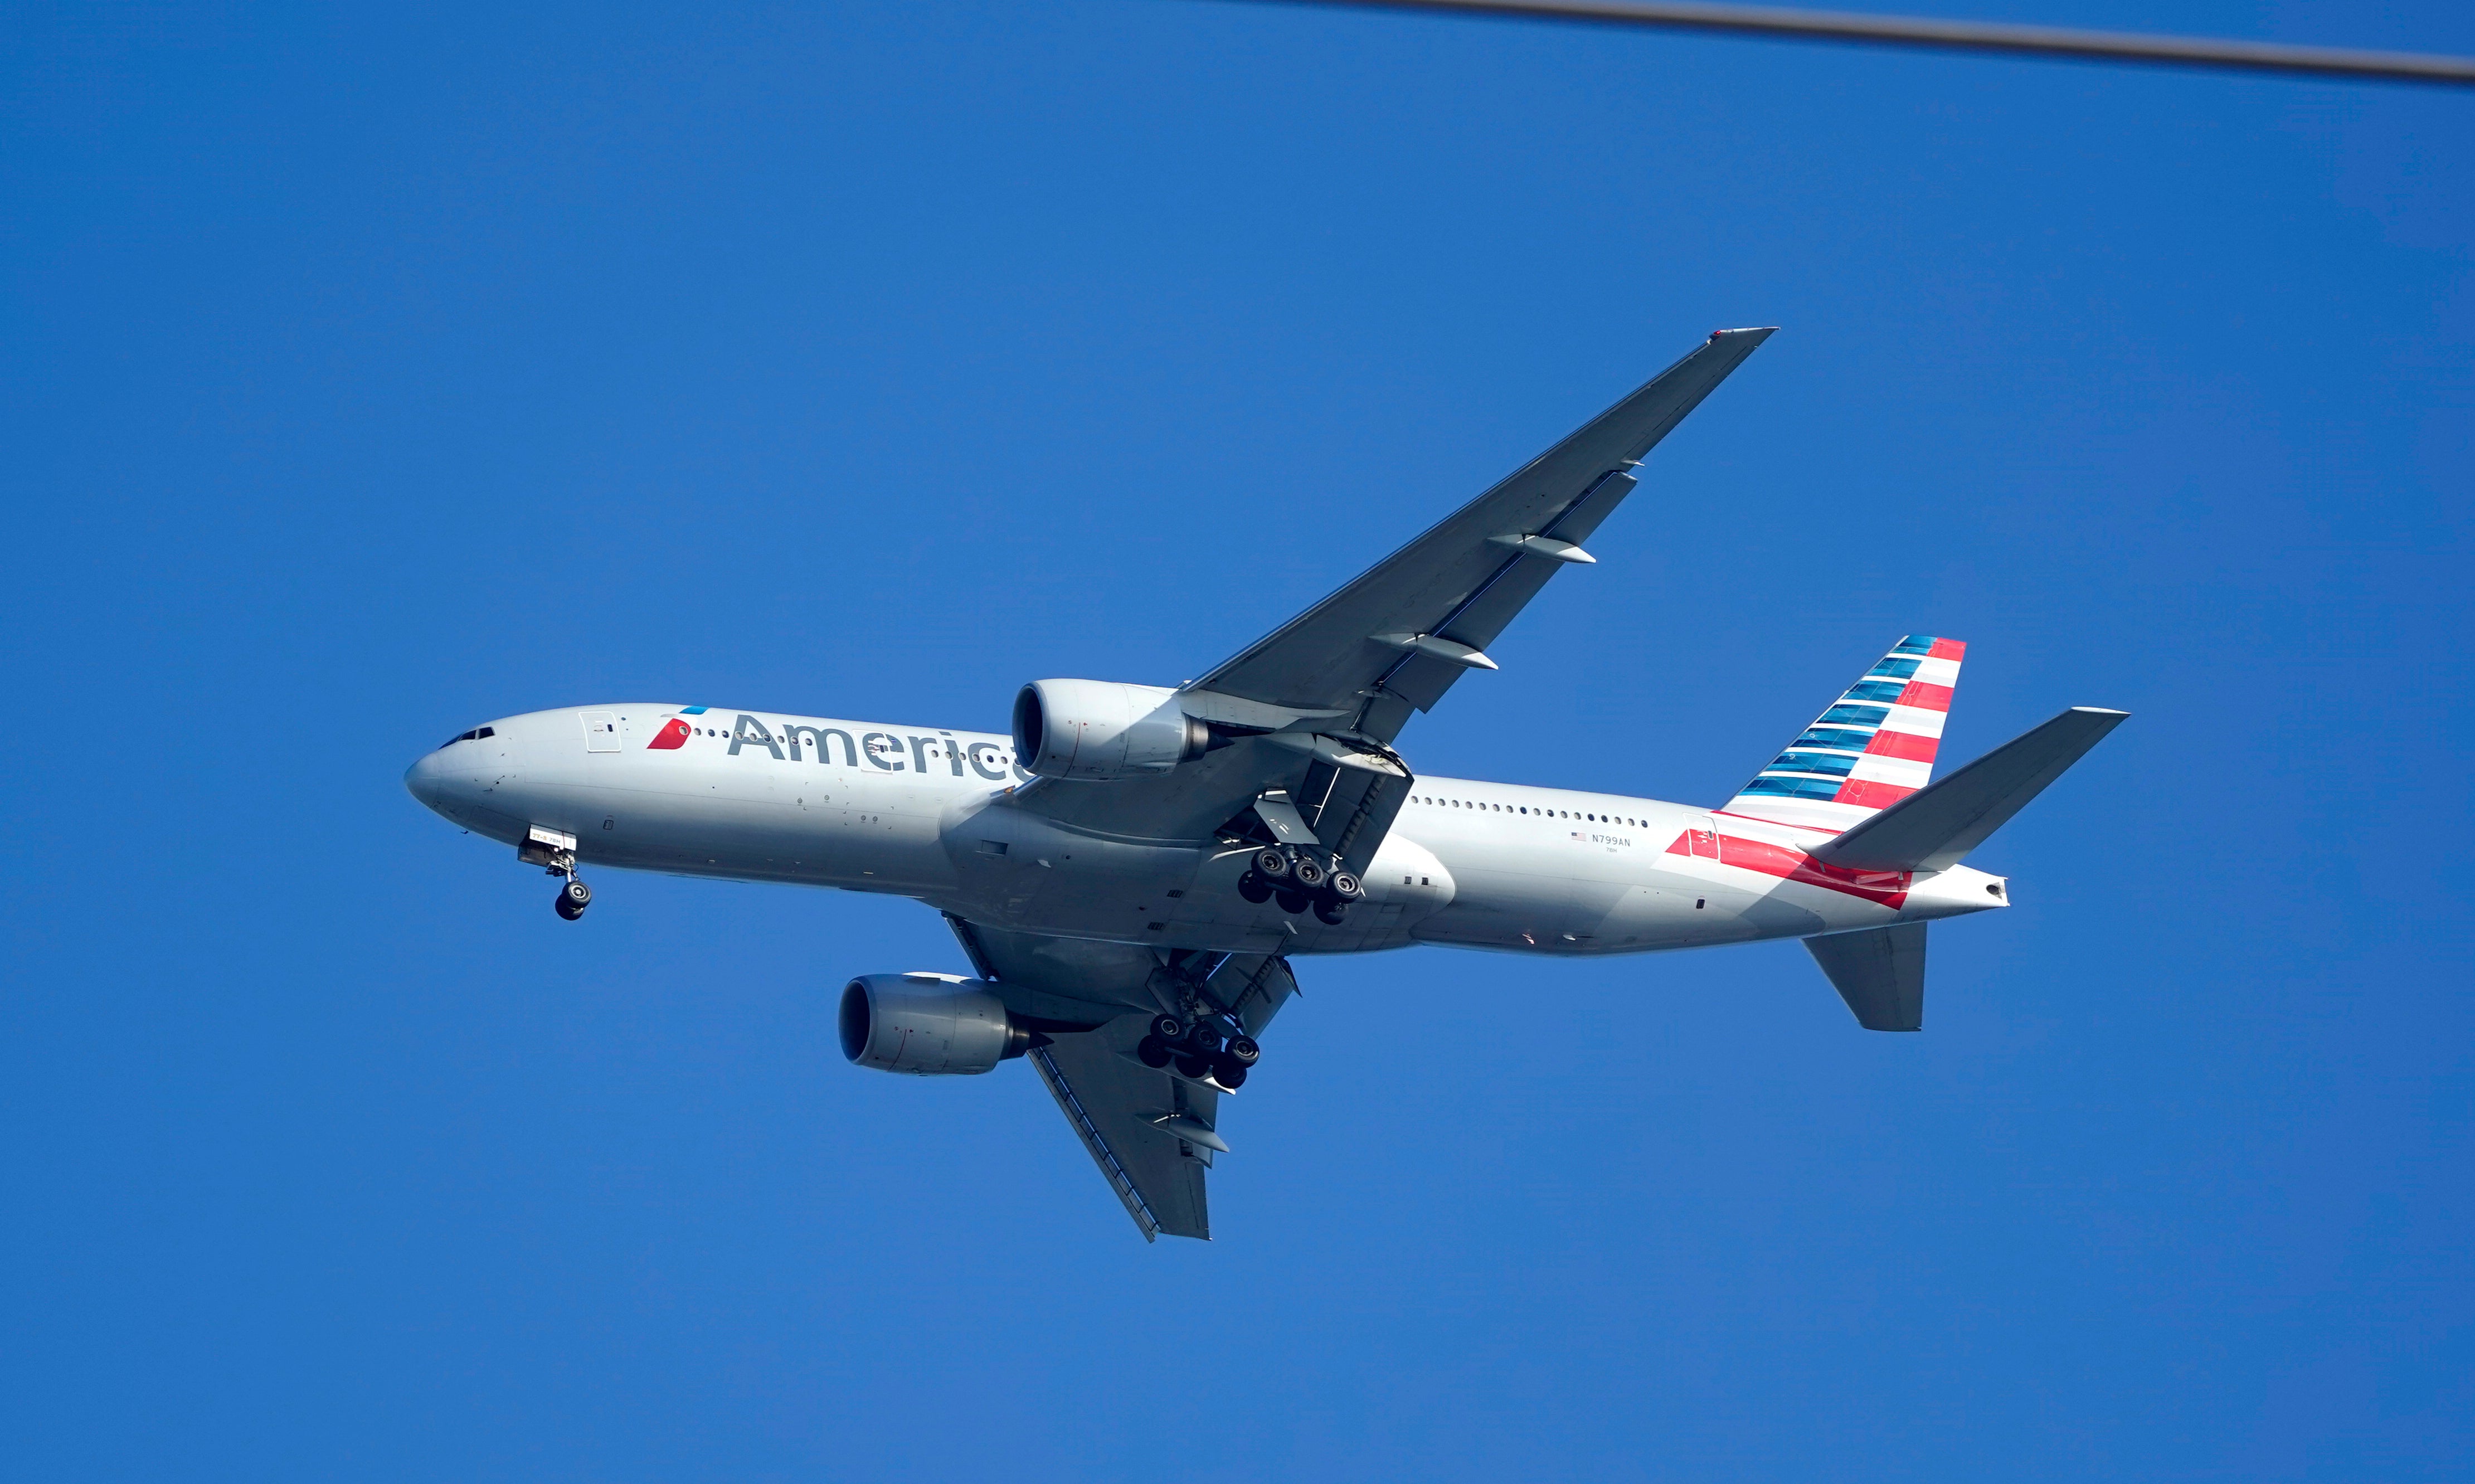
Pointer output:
x,y
1301,883
1200,1049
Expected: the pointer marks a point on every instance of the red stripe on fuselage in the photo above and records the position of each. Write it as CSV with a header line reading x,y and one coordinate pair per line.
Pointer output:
x,y
1889,888
1817,829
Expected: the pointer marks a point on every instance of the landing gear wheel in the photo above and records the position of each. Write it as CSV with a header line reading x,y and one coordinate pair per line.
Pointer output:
x,y
1244,1049
1168,1027
1254,887
574,898
1296,902
1347,887
1308,875
1272,866
1196,1067
1329,912
1228,1072
571,913
1152,1052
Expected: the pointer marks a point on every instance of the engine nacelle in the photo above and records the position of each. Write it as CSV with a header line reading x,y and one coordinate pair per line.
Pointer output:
x,y
927,1025
1097,730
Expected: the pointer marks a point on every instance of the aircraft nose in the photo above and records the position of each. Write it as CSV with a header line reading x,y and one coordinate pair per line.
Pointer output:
x,y
425,779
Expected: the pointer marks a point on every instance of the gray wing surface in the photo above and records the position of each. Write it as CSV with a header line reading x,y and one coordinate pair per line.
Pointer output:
x,y
1152,1132
1934,828
1113,1101
1880,972
1336,684
1460,583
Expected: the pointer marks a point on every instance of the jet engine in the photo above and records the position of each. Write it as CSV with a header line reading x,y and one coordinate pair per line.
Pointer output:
x,y
1098,730
927,1025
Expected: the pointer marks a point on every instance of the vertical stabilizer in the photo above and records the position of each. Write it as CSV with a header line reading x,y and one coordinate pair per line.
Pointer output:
x,y
1872,748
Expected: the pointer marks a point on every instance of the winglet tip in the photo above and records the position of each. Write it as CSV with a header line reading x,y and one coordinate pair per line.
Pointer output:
x,y
1759,333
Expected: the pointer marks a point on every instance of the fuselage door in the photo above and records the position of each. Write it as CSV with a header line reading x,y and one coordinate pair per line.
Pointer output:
x,y
601,731
1703,832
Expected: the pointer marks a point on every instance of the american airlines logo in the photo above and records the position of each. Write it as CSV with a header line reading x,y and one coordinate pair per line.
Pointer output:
x,y
888,751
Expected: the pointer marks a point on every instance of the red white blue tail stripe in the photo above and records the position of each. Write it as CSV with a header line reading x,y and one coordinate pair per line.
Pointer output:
x,y
1873,747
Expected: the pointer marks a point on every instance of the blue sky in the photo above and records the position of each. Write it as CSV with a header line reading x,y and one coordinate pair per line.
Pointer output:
x,y
370,374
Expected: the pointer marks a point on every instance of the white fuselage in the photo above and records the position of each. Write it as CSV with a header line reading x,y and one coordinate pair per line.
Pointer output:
x,y
923,811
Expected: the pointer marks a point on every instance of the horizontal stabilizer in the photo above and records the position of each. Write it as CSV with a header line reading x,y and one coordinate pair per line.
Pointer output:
x,y
1880,973
1932,828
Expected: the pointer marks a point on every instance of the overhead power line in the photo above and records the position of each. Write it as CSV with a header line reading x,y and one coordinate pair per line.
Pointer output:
x,y
1963,36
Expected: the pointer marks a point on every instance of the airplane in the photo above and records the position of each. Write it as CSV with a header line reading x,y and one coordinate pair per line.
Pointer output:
x,y
1132,869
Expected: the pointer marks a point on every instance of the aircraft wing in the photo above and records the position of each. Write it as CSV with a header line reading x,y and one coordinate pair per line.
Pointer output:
x,y
1321,698
1117,1107
1153,1133
1397,637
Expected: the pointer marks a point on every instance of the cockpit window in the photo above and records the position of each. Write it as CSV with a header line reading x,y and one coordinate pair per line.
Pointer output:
x,y
473,735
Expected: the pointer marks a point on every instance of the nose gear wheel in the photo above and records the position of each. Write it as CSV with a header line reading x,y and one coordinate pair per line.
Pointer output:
x,y
574,896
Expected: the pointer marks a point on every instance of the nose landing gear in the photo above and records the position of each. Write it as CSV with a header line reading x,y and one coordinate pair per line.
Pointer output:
x,y
556,853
